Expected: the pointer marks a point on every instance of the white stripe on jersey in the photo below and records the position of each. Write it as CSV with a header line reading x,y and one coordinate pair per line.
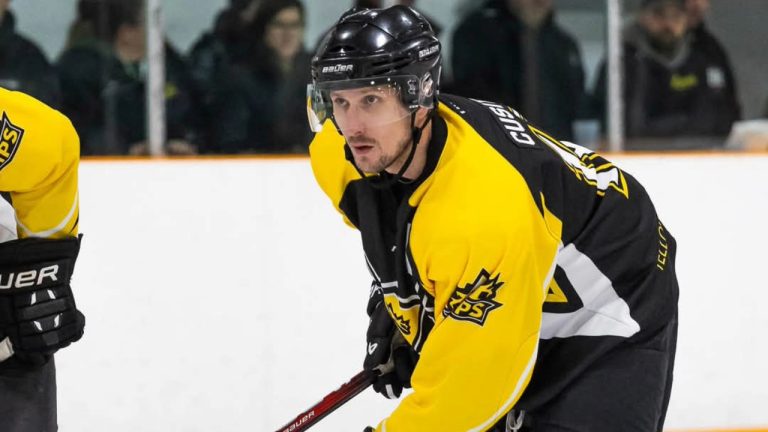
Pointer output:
x,y
54,230
604,313
516,392
7,221
514,396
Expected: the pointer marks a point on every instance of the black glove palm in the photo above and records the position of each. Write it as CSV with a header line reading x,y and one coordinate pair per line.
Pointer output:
x,y
388,355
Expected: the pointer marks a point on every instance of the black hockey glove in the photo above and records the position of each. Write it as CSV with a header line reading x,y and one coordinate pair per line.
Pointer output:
x,y
388,355
37,311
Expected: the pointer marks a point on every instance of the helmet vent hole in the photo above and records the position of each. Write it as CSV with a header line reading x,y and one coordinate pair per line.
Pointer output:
x,y
342,48
395,62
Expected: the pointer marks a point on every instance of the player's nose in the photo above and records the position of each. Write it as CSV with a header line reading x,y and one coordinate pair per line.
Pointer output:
x,y
354,123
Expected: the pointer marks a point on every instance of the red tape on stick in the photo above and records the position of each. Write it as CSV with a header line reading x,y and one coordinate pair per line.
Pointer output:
x,y
330,403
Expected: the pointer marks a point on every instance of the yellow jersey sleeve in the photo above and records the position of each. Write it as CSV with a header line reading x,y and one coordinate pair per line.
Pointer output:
x,y
487,260
39,157
330,167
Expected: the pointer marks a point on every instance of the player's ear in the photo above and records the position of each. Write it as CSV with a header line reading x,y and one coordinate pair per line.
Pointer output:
x,y
421,115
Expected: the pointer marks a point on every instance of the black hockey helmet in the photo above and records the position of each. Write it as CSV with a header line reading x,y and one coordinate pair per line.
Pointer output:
x,y
394,48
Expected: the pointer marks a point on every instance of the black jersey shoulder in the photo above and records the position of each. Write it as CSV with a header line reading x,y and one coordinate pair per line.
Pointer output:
x,y
497,123
509,133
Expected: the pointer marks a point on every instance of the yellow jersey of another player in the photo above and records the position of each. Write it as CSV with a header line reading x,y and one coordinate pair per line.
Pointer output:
x,y
511,264
39,157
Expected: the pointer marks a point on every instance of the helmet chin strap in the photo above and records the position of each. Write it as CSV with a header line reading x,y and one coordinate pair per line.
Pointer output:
x,y
381,182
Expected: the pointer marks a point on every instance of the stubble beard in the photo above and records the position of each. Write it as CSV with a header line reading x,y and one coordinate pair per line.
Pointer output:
x,y
384,161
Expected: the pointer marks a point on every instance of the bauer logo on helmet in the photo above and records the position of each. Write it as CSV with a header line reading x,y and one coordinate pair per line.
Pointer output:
x,y
339,68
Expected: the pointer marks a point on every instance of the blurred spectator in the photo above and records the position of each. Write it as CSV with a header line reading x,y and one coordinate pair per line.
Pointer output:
x,y
23,65
750,135
673,87
214,54
437,28
260,105
703,40
514,52
103,74
765,110
226,44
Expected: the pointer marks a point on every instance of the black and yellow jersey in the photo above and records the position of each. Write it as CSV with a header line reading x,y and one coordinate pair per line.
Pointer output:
x,y
511,264
39,156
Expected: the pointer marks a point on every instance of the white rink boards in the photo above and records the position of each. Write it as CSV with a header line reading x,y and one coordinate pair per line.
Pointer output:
x,y
227,295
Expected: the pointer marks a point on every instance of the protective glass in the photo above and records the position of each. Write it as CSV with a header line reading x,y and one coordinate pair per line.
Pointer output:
x,y
363,102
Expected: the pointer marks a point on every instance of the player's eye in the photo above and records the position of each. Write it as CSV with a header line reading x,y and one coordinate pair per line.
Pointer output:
x,y
371,99
340,102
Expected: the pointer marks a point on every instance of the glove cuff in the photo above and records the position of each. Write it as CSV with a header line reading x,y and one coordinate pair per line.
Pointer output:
x,y
376,297
34,263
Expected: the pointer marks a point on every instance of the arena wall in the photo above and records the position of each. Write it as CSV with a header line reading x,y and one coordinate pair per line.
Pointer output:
x,y
227,295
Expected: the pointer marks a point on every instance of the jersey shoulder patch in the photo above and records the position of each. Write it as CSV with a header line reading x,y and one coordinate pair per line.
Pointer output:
x,y
474,301
10,140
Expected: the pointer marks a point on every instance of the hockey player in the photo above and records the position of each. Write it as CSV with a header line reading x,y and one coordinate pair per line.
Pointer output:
x,y
39,155
528,279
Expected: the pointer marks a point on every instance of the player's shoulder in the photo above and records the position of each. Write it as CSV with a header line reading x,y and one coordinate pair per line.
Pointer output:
x,y
29,124
516,145
327,147
499,125
329,161
24,107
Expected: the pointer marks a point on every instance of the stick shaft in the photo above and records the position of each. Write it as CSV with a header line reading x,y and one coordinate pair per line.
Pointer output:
x,y
330,403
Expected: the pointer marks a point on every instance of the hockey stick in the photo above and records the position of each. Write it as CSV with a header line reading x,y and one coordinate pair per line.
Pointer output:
x,y
330,403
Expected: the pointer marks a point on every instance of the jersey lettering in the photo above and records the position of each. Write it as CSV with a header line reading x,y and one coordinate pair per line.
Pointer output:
x,y
35,277
510,121
587,165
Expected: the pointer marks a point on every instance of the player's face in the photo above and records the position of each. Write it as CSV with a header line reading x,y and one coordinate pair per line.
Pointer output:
x,y
666,24
376,126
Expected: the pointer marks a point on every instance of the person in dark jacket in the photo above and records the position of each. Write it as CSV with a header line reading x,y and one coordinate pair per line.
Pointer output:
x,y
256,104
225,44
103,75
23,66
703,40
216,52
672,87
512,51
